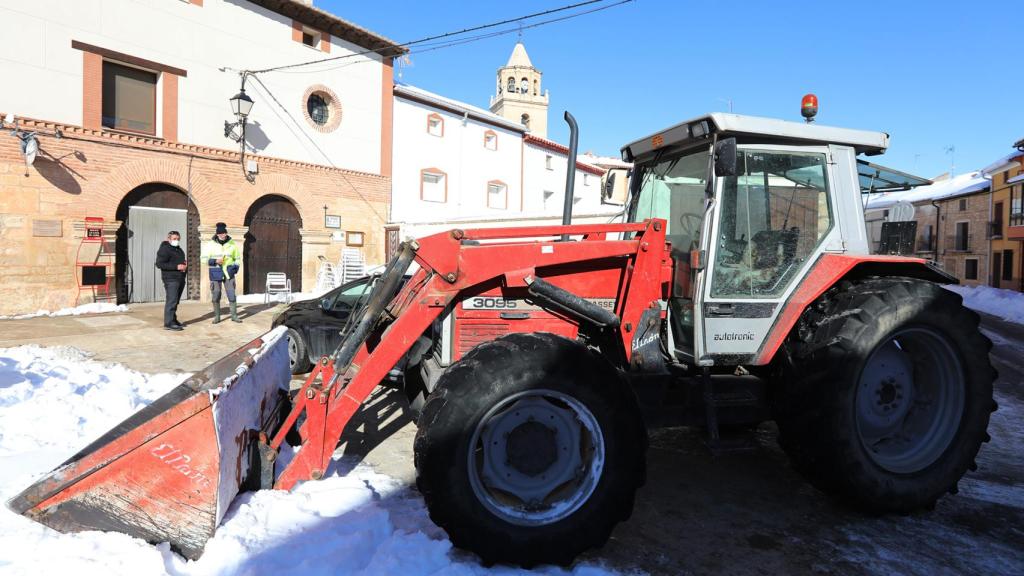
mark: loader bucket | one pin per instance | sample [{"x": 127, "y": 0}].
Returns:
[{"x": 169, "y": 472}]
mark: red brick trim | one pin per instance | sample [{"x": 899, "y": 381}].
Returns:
[
  {"x": 387, "y": 116},
  {"x": 92, "y": 91},
  {"x": 563, "y": 150},
  {"x": 333, "y": 105},
  {"x": 297, "y": 31},
  {"x": 142, "y": 142},
  {"x": 325, "y": 42},
  {"x": 170, "y": 107},
  {"x": 434, "y": 171},
  {"x": 491, "y": 133},
  {"x": 488, "y": 192},
  {"x": 127, "y": 58},
  {"x": 432, "y": 116},
  {"x": 197, "y": 2}
]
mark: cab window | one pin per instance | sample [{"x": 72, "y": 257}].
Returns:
[
  {"x": 774, "y": 214},
  {"x": 346, "y": 296}
]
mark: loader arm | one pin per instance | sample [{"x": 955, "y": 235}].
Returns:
[{"x": 454, "y": 264}]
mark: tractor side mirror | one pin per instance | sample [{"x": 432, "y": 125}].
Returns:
[{"x": 725, "y": 157}]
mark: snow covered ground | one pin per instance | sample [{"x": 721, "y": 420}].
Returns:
[
  {"x": 92, "y": 308},
  {"x": 53, "y": 401},
  {"x": 1005, "y": 304}
]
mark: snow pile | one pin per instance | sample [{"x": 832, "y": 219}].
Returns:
[
  {"x": 1005, "y": 304},
  {"x": 54, "y": 401},
  {"x": 92, "y": 308}
]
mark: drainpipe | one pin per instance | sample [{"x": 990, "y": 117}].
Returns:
[{"x": 938, "y": 211}]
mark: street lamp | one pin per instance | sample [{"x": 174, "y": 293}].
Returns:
[{"x": 241, "y": 105}]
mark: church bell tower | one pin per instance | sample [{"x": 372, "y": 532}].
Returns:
[{"x": 520, "y": 97}]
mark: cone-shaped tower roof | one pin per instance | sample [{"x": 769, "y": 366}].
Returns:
[{"x": 519, "y": 57}]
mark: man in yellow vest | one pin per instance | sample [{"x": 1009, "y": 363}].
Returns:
[{"x": 222, "y": 256}]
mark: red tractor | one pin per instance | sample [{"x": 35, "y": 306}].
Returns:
[{"x": 740, "y": 290}]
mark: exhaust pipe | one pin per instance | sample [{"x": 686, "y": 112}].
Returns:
[{"x": 570, "y": 172}]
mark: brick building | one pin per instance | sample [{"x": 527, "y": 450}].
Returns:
[{"x": 130, "y": 124}]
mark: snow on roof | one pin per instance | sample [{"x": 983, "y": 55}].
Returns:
[
  {"x": 604, "y": 161},
  {"x": 963, "y": 184},
  {"x": 430, "y": 98},
  {"x": 1002, "y": 165}
]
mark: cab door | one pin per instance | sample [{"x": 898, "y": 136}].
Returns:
[{"x": 770, "y": 221}]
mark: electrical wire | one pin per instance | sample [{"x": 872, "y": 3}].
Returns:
[
  {"x": 318, "y": 149},
  {"x": 449, "y": 34}
]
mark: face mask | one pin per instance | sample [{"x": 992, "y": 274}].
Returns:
[{"x": 175, "y": 242}]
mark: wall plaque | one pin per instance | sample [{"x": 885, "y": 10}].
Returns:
[{"x": 50, "y": 228}]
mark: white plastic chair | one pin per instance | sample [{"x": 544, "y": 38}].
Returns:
[{"x": 278, "y": 283}]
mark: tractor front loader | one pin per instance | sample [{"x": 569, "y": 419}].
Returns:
[{"x": 741, "y": 290}]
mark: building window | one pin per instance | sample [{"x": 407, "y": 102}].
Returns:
[
  {"x": 511, "y": 85},
  {"x": 525, "y": 120},
  {"x": 535, "y": 87},
  {"x": 586, "y": 179},
  {"x": 1007, "y": 264},
  {"x": 317, "y": 108},
  {"x": 311, "y": 38},
  {"x": 963, "y": 204},
  {"x": 129, "y": 98},
  {"x": 971, "y": 269},
  {"x": 435, "y": 125},
  {"x": 497, "y": 195},
  {"x": 548, "y": 163},
  {"x": 962, "y": 240},
  {"x": 433, "y": 185},
  {"x": 524, "y": 86},
  {"x": 490, "y": 140},
  {"x": 927, "y": 240},
  {"x": 1016, "y": 213},
  {"x": 997, "y": 220},
  {"x": 321, "y": 108}
]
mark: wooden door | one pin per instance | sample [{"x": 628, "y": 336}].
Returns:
[{"x": 273, "y": 243}]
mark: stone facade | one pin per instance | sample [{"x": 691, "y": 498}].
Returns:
[
  {"x": 954, "y": 233},
  {"x": 89, "y": 172},
  {"x": 519, "y": 95}
]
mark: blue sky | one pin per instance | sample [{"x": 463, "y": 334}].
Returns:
[{"x": 931, "y": 74}]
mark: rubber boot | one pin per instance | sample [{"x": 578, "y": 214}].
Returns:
[
  {"x": 216, "y": 312},
  {"x": 234, "y": 312}
]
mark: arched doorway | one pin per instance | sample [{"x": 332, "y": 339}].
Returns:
[
  {"x": 273, "y": 243},
  {"x": 144, "y": 213}
]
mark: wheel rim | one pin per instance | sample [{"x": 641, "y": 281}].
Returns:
[
  {"x": 910, "y": 400},
  {"x": 293, "y": 351},
  {"x": 536, "y": 457}
]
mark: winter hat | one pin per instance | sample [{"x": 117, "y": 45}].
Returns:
[{"x": 222, "y": 228}]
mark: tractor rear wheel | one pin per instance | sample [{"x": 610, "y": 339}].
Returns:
[
  {"x": 887, "y": 396},
  {"x": 530, "y": 450}
]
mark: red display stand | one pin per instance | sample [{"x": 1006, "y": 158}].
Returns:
[{"x": 94, "y": 263}]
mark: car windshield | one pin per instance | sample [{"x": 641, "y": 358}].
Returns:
[
  {"x": 344, "y": 297},
  {"x": 673, "y": 188}
]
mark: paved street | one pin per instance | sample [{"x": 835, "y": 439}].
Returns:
[{"x": 741, "y": 514}]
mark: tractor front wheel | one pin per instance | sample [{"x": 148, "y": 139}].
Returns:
[
  {"x": 888, "y": 393},
  {"x": 530, "y": 450}
]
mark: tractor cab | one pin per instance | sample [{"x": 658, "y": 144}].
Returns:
[{"x": 751, "y": 203}]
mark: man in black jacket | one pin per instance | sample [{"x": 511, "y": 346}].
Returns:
[{"x": 170, "y": 259}]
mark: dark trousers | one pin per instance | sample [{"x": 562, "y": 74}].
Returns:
[{"x": 173, "y": 288}]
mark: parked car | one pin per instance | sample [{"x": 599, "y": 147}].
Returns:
[{"x": 314, "y": 326}]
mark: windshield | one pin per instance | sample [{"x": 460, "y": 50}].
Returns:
[
  {"x": 673, "y": 188},
  {"x": 773, "y": 216}
]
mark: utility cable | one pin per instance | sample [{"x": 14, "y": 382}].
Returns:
[{"x": 445, "y": 35}]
